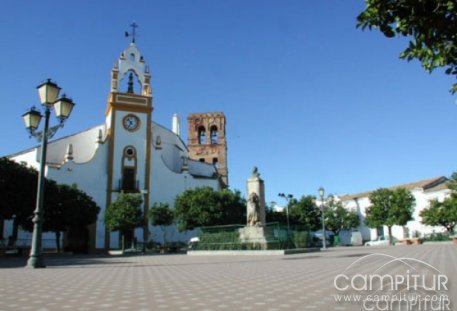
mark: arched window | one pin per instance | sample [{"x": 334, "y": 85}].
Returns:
[
  {"x": 128, "y": 182},
  {"x": 201, "y": 135},
  {"x": 214, "y": 135}
]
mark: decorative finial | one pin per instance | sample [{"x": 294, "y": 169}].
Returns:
[
  {"x": 69, "y": 154},
  {"x": 133, "y": 33},
  {"x": 100, "y": 137}
]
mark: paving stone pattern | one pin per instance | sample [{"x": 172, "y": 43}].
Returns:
[{"x": 180, "y": 282}]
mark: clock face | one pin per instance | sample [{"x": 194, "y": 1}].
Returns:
[{"x": 131, "y": 122}]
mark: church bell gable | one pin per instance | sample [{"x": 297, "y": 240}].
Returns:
[{"x": 131, "y": 62}]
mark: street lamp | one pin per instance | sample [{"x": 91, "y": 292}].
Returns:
[
  {"x": 48, "y": 92},
  {"x": 288, "y": 197},
  {"x": 324, "y": 238}
]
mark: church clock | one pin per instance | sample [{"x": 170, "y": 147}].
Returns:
[{"x": 131, "y": 122}]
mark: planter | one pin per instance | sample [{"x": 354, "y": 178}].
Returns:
[
  {"x": 116, "y": 252},
  {"x": 407, "y": 242},
  {"x": 418, "y": 241}
]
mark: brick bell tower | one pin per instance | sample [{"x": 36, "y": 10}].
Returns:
[{"x": 207, "y": 141}]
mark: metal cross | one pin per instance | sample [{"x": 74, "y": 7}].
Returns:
[{"x": 133, "y": 33}]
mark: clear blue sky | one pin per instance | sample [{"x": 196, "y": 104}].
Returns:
[{"x": 309, "y": 99}]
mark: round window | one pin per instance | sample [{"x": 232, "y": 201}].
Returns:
[{"x": 129, "y": 152}]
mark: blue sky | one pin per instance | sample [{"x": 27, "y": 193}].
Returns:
[{"x": 309, "y": 99}]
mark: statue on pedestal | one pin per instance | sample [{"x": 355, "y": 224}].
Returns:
[
  {"x": 254, "y": 232},
  {"x": 256, "y": 199},
  {"x": 253, "y": 209}
]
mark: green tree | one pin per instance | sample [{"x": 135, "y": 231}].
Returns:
[
  {"x": 124, "y": 215},
  {"x": 443, "y": 213},
  {"x": 275, "y": 216},
  {"x": 206, "y": 207},
  {"x": 161, "y": 215},
  {"x": 338, "y": 218},
  {"x": 431, "y": 26},
  {"x": 233, "y": 206},
  {"x": 389, "y": 208},
  {"x": 76, "y": 210},
  {"x": 66, "y": 208},
  {"x": 305, "y": 212},
  {"x": 18, "y": 185}
]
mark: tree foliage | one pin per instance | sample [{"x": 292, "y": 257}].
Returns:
[
  {"x": 389, "y": 208},
  {"x": 65, "y": 207},
  {"x": 305, "y": 212},
  {"x": 275, "y": 216},
  {"x": 18, "y": 184},
  {"x": 161, "y": 215},
  {"x": 443, "y": 213},
  {"x": 431, "y": 26},
  {"x": 124, "y": 214},
  {"x": 338, "y": 218},
  {"x": 79, "y": 209},
  {"x": 206, "y": 207}
]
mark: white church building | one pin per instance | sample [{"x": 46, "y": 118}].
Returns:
[{"x": 129, "y": 153}]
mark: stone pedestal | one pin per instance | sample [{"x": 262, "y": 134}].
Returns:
[{"x": 253, "y": 235}]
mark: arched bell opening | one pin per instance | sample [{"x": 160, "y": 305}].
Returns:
[
  {"x": 201, "y": 135},
  {"x": 130, "y": 83}
]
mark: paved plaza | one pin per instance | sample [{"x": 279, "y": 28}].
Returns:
[{"x": 180, "y": 282}]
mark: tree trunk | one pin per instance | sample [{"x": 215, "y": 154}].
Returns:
[
  {"x": 389, "y": 230},
  {"x": 123, "y": 241},
  {"x": 58, "y": 241},
  {"x": 15, "y": 230},
  {"x": 164, "y": 233},
  {"x": 2, "y": 224}
]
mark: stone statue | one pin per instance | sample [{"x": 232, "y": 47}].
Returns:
[
  {"x": 255, "y": 172},
  {"x": 253, "y": 210}
]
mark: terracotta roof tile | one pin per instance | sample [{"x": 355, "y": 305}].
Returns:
[{"x": 436, "y": 183}]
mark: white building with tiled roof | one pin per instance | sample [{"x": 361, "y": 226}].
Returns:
[
  {"x": 128, "y": 153},
  {"x": 423, "y": 191}
]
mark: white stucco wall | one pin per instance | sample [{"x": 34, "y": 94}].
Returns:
[
  {"x": 89, "y": 177},
  {"x": 168, "y": 179},
  {"x": 88, "y": 170},
  {"x": 423, "y": 199}
]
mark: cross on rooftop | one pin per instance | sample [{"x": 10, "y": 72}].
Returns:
[{"x": 133, "y": 33}]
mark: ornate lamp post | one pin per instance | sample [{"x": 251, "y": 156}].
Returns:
[
  {"x": 288, "y": 197},
  {"x": 48, "y": 92},
  {"x": 324, "y": 237}
]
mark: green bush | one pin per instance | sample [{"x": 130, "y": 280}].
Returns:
[
  {"x": 224, "y": 240},
  {"x": 438, "y": 237},
  {"x": 301, "y": 239},
  {"x": 228, "y": 238}
]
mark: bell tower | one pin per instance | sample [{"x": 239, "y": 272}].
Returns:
[
  {"x": 129, "y": 129},
  {"x": 207, "y": 141}
]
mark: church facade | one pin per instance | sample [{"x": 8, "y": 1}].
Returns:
[{"x": 132, "y": 153}]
